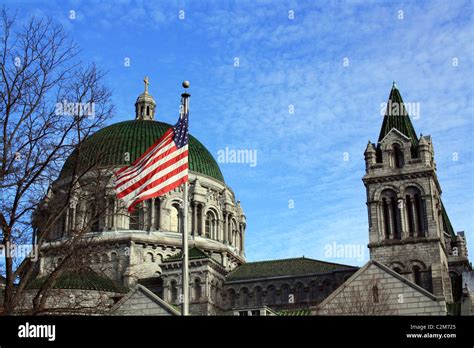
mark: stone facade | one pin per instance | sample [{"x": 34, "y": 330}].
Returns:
[
  {"x": 141, "y": 301},
  {"x": 377, "y": 290},
  {"x": 290, "y": 292}
]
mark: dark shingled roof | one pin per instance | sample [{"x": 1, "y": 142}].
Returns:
[
  {"x": 81, "y": 280},
  {"x": 400, "y": 121},
  {"x": 194, "y": 253},
  {"x": 284, "y": 267},
  {"x": 107, "y": 147}
]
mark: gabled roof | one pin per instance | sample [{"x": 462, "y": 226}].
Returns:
[
  {"x": 384, "y": 268},
  {"x": 284, "y": 267},
  {"x": 194, "y": 253},
  {"x": 144, "y": 291},
  {"x": 399, "y": 120}
]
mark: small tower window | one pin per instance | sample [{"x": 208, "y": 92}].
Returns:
[
  {"x": 417, "y": 275},
  {"x": 375, "y": 294},
  {"x": 398, "y": 159},
  {"x": 148, "y": 110}
]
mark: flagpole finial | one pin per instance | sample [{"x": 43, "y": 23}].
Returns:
[{"x": 185, "y": 84}]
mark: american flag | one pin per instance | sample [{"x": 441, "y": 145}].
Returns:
[{"x": 163, "y": 167}]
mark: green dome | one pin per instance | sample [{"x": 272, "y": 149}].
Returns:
[{"x": 108, "y": 147}]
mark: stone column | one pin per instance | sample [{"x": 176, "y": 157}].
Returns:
[
  {"x": 225, "y": 229},
  {"x": 414, "y": 216},
  {"x": 390, "y": 219},
  {"x": 195, "y": 230},
  {"x": 203, "y": 222},
  {"x": 161, "y": 222},
  {"x": 152, "y": 215}
]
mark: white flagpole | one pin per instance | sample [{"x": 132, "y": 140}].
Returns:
[{"x": 185, "y": 251}]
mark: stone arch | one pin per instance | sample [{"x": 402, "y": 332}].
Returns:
[
  {"x": 403, "y": 187},
  {"x": 390, "y": 214},
  {"x": 211, "y": 229},
  {"x": 415, "y": 262},
  {"x": 149, "y": 257},
  {"x": 378, "y": 192},
  {"x": 213, "y": 207},
  {"x": 415, "y": 211},
  {"x": 397, "y": 265}
]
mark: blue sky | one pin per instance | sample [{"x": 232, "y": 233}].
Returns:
[{"x": 296, "y": 62}]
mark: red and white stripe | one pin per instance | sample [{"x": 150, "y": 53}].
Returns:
[{"x": 160, "y": 169}]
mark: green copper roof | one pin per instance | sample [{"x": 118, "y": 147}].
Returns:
[
  {"x": 110, "y": 146},
  {"x": 83, "y": 280},
  {"x": 396, "y": 116},
  {"x": 194, "y": 253},
  {"x": 294, "y": 312},
  {"x": 284, "y": 267}
]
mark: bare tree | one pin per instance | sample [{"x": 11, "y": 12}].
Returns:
[
  {"x": 50, "y": 103},
  {"x": 370, "y": 298}
]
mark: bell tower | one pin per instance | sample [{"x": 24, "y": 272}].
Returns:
[
  {"x": 406, "y": 228},
  {"x": 145, "y": 104}
]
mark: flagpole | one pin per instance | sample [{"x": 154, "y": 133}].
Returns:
[{"x": 185, "y": 251}]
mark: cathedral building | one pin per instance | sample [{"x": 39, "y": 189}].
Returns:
[{"x": 133, "y": 261}]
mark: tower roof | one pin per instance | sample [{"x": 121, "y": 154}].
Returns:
[{"x": 396, "y": 116}]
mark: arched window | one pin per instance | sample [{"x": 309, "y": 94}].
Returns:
[
  {"x": 258, "y": 296},
  {"x": 174, "y": 291},
  {"x": 197, "y": 289},
  {"x": 398, "y": 159},
  {"x": 244, "y": 297},
  {"x": 148, "y": 110},
  {"x": 210, "y": 221},
  {"x": 415, "y": 212},
  {"x": 175, "y": 221},
  {"x": 375, "y": 294},
  {"x": 300, "y": 294},
  {"x": 231, "y": 295},
  {"x": 313, "y": 291},
  {"x": 391, "y": 215},
  {"x": 327, "y": 287},
  {"x": 149, "y": 257},
  {"x": 417, "y": 275},
  {"x": 113, "y": 256},
  {"x": 271, "y": 295},
  {"x": 285, "y": 294}
]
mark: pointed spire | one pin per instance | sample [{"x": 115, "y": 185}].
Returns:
[{"x": 396, "y": 116}]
